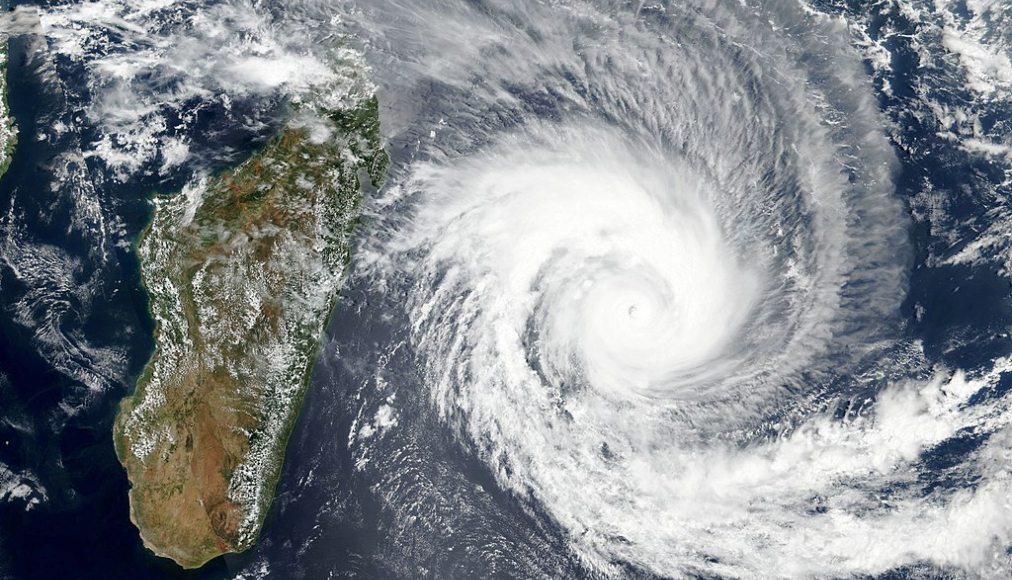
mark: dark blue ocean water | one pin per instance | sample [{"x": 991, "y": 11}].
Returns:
[{"x": 326, "y": 518}]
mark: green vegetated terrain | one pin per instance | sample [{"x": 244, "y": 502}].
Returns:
[{"x": 8, "y": 129}]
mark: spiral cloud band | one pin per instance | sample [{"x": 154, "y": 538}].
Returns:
[{"x": 656, "y": 267}]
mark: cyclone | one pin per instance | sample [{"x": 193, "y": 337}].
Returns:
[
  {"x": 651, "y": 289},
  {"x": 654, "y": 268}
]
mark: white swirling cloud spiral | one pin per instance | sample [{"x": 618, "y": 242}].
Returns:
[{"x": 647, "y": 261}]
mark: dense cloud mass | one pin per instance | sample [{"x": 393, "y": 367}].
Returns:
[{"x": 650, "y": 256}]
